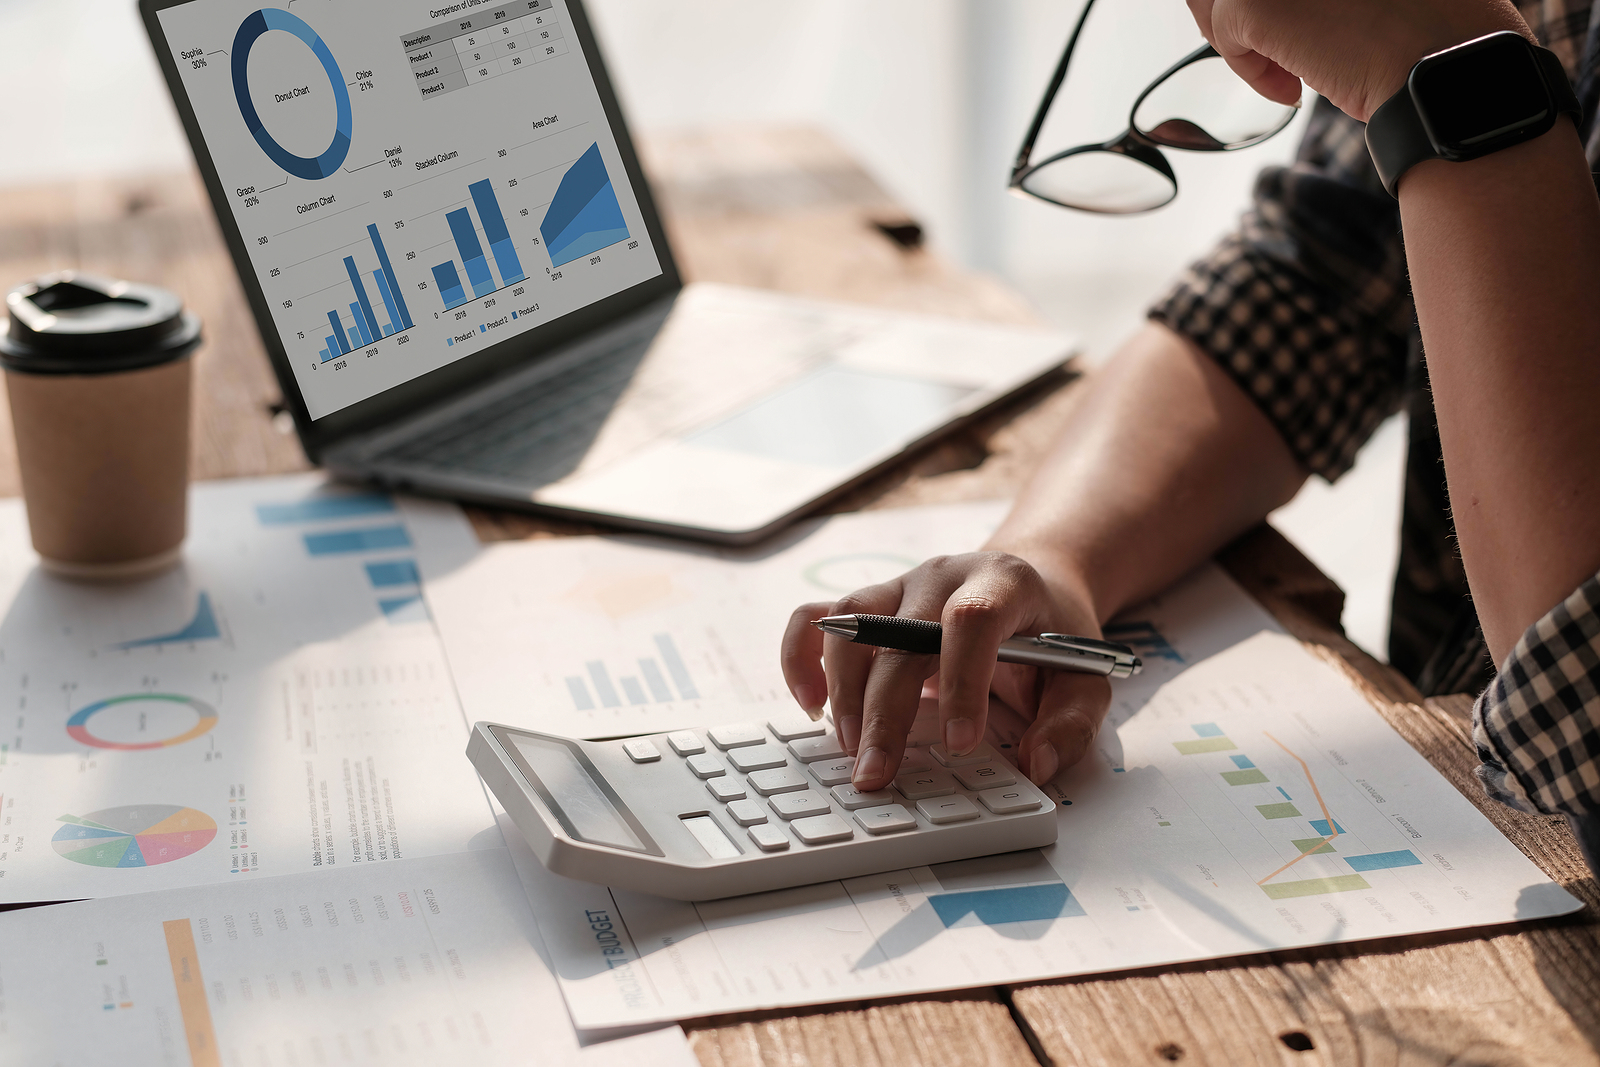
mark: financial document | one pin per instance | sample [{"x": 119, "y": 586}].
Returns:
[
  {"x": 432, "y": 961},
  {"x": 278, "y": 703},
  {"x": 1242, "y": 798},
  {"x": 607, "y": 636}
]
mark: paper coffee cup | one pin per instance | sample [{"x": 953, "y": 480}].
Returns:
[{"x": 98, "y": 373}]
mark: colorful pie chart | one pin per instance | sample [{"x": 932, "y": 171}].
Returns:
[{"x": 139, "y": 836}]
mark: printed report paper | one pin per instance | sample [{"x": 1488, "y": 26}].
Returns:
[
  {"x": 280, "y": 702},
  {"x": 432, "y": 961},
  {"x": 1244, "y": 798}
]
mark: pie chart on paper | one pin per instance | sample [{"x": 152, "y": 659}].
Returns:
[{"x": 138, "y": 836}]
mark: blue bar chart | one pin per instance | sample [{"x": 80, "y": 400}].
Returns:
[
  {"x": 365, "y": 328},
  {"x": 584, "y": 215},
  {"x": 480, "y": 278}
]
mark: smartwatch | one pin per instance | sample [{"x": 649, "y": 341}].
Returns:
[{"x": 1467, "y": 101}]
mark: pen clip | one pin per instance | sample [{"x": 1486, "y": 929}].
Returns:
[{"x": 1124, "y": 663}]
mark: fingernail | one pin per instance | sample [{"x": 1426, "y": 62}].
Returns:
[
  {"x": 806, "y": 697},
  {"x": 869, "y": 767},
  {"x": 1043, "y": 765},
  {"x": 849, "y": 730},
  {"x": 960, "y": 736}
]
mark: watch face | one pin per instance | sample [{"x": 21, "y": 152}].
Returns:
[{"x": 1469, "y": 96}]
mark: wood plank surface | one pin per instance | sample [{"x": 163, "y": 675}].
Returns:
[{"x": 788, "y": 210}]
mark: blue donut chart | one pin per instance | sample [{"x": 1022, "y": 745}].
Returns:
[{"x": 251, "y": 29}]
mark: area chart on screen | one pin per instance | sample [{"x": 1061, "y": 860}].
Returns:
[{"x": 584, "y": 217}]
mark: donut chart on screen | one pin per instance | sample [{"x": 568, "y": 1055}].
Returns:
[
  {"x": 308, "y": 167},
  {"x": 78, "y": 727},
  {"x": 141, "y": 835}
]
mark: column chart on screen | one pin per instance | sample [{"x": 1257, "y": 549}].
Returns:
[{"x": 413, "y": 181}]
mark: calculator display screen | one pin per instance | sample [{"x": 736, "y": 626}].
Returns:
[{"x": 574, "y": 796}]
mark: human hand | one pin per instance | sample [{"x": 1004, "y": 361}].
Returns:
[
  {"x": 1357, "y": 53},
  {"x": 981, "y": 599}
]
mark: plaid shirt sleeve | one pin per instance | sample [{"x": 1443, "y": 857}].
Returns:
[
  {"x": 1537, "y": 726},
  {"x": 1306, "y": 305}
]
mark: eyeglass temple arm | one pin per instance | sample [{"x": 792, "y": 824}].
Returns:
[{"x": 1056, "y": 79}]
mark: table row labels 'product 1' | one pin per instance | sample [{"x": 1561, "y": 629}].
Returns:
[{"x": 459, "y": 52}]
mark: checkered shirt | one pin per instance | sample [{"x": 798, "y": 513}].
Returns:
[{"x": 1308, "y": 307}]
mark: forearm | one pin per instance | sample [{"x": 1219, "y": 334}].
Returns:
[
  {"x": 1164, "y": 460},
  {"x": 1504, "y": 254}
]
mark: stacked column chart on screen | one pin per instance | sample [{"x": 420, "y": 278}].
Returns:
[{"x": 411, "y": 183}]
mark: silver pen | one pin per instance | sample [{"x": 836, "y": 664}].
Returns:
[{"x": 1060, "y": 651}]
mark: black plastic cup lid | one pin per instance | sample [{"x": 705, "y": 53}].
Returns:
[{"x": 72, "y": 323}]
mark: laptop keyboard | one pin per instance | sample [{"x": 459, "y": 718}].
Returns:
[{"x": 536, "y": 434}]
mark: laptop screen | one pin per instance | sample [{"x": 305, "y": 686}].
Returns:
[{"x": 413, "y": 181}]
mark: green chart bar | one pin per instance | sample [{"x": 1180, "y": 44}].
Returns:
[{"x": 1310, "y": 887}]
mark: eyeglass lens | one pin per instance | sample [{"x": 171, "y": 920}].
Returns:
[{"x": 1206, "y": 107}]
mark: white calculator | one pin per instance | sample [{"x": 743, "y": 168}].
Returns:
[{"x": 744, "y": 808}]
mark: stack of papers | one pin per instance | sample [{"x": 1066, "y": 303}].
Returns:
[{"x": 253, "y": 769}]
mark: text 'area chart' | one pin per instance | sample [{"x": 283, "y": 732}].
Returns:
[{"x": 408, "y": 196}]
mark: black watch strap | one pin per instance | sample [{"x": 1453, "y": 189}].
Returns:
[{"x": 1397, "y": 140}]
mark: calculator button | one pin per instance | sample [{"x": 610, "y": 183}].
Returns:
[
  {"x": 1004, "y": 801},
  {"x": 736, "y": 734},
  {"x": 758, "y": 757},
  {"x": 891, "y": 818},
  {"x": 915, "y": 759},
  {"x": 726, "y": 789},
  {"x": 982, "y": 754},
  {"x": 811, "y": 749},
  {"x": 641, "y": 751},
  {"x": 820, "y": 829},
  {"x": 706, "y": 766},
  {"x": 768, "y": 838},
  {"x": 781, "y": 780},
  {"x": 986, "y": 775},
  {"x": 747, "y": 812},
  {"x": 686, "y": 742},
  {"x": 787, "y": 729},
  {"x": 941, "y": 810},
  {"x": 834, "y": 771},
  {"x": 926, "y": 784},
  {"x": 799, "y": 805},
  {"x": 850, "y": 798}
]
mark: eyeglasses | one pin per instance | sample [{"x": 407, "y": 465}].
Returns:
[{"x": 1198, "y": 104}]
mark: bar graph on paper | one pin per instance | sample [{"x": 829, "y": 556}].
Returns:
[{"x": 659, "y": 679}]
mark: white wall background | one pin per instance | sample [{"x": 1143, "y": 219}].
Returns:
[{"x": 932, "y": 95}]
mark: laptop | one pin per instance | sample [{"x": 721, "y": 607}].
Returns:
[{"x": 461, "y": 278}]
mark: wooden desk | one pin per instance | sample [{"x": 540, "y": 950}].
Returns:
[{"x": 786, "y": 209}]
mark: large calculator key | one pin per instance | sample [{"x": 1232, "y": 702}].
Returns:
[
  {"x": 820, "y": 829},
  {"x": 778, "y": 780},
  {"x": 834, "y": 771},
  {"x": 747, "y": 812},
  {"x": 812, "y": 749},
  {"x": 640, "y": 750},
  {"x": 982, "y": 754},
  {"x": 791, "y": 727},
  {"x": 759, "y": 757},
  {"x": 726, "y": 789},
  {"x": 686, "y": 743},
  {"x": 941, "y": 810},
  {"x": 986, "y": 775},
  {"x": 706, "y": 766},
  {"x": 889, "y": 819},
  {"x": 850, "y": 798},
  {"x": 769, "y": 838},
  {"x": 926, "y": 784},
  {"x": 915, "y": 759},
  {"x": 736, "y": 735},
  {"x": 1004, "y": 801},
  {"x": 799, "y": 805}
]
